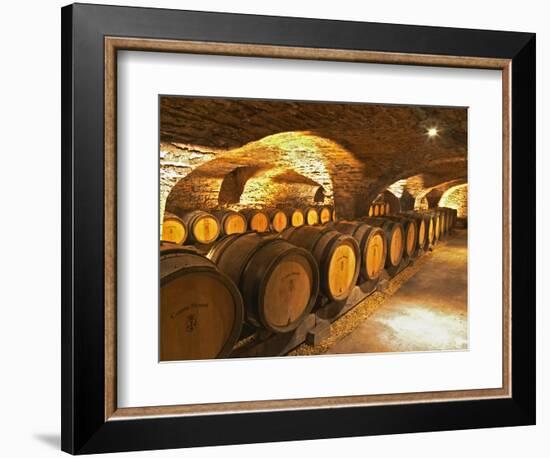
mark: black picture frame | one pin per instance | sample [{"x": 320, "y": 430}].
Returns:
[{"x": 84, "y": 427}]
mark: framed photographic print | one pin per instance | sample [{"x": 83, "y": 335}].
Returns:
[{"x": 282, "y": 228}]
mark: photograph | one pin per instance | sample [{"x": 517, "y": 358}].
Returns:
[{"x": 307, "y": 227}]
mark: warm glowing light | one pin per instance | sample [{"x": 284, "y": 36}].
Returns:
[
  {"x": 420, "y": 326},
  {"x": 432, "y": 132},
  {"x": 456, "y": 197}
]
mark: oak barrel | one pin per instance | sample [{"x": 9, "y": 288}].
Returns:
[
  {"x": 295, "y": 216},
  {"x": 395, "y": 236},
  {"x": 425, "y": 228},
  {"x": 454, "y": 216},
  {"x": 371, "y": 211},
  {"x": 431, "y": 220},
  {"x": 435, "y": 223},
  {"x": 337, "y": 254},
  {"x": 201, "y": 309},
  {"x": 372, "y": 245},
  {"x": 387, "y": 208},
  {"x": 203, "y": 227},
  {"x": 231, "y": 221},
  {"x": 325, "y": 214},
  {"x": 410, "y": 226},
  {"x": 448, "y": 217},
  {"x": 279, "y": 282},
  {"x": 173, "y": 229},
  {"x": 443, "y": 221},
  {"x": 382, "y": 210},
  {"x": 450, "y": 214},
  {"x": 258, "y": 220},
  {"x": 454, "y": 212},
  {"x": 277, "y": 219},
  {"x": 376, "y": 210},
  {"x": 311, "y": 215}
]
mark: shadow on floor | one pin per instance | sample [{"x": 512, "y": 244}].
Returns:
[{"x": 52, "y": 440}]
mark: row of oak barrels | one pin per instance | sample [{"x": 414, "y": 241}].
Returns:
[
  {"x": 198, "y": 226},
  {"x": 379, "y": 209},
  {"x": 273, "y": 281}
]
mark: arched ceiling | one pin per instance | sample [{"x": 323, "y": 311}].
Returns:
[
  {"x": 358, "y": 149},
  {"x": 364, "y": 129}
]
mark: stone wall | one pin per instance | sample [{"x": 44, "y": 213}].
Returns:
[
  {"x": 456, "y": 197},
  {"x": 291, "y": 168}
]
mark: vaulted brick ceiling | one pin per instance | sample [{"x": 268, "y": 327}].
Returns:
[{"x": 363, "y": 148}]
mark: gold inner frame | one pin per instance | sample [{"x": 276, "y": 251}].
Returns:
[{"x": 114, "y": 44}]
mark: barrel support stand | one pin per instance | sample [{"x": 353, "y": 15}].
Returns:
[
  {"x": 393, "y": 271},
  {"x": 314, "y": 328},
  {"x": 328, "y": 312}
]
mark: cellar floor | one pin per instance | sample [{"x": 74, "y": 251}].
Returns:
[{"x": 428, "y": 312}]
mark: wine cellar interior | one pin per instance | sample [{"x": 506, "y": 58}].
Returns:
[{"x": 308, "y": 228}]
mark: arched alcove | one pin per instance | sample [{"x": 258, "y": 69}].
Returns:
[
  {"x": 456, "y": 197},
  {"x": 233, "y": 184}
]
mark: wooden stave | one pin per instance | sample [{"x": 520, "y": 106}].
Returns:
[
  {"x": 171, "y": 217},
  {"x": 389, "y": 228},
  {"x": 312, "y": 238},
  {"x": 222, "y": 216},
  {"x": 190, "y": 218},
  {"x": 245, "y": 274},
  {"x": 363, "y": 234},
  {"x": 200, "y": 264}
]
